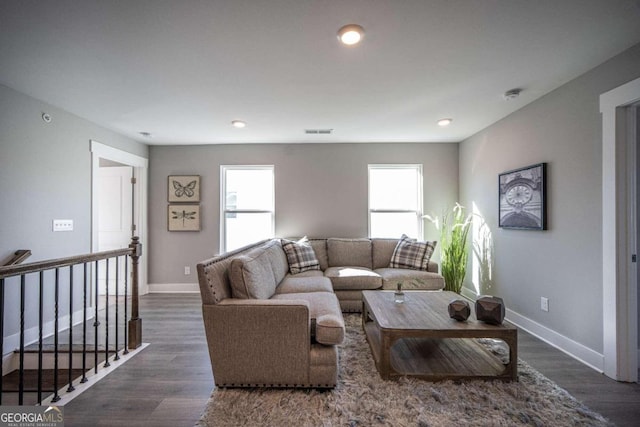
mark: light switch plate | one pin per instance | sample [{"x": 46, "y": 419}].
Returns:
[
  {"x": 62, "y": 225},
  {"x": 544, "y": 304}
]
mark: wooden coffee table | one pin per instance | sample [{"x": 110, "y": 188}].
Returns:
[{"x": 418, "y": 338}]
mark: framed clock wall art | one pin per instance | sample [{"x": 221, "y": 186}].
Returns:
[{"x": 522, "y": 198}]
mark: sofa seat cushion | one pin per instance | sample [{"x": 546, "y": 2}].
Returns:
[
  {"x": 327, "y": 324},
  {"x": 410, "y": 279},
  {"x": 353, "y": 278},
  {"x": 294, "y": 284}
]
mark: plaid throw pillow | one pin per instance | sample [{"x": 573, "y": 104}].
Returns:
[
  {"x": 300, "y": 255},
  {"x": 409, "y": 253}
]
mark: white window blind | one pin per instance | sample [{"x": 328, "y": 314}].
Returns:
[
  {"x": 247, "y": 205},
  {"x": 395, "y": 201}
]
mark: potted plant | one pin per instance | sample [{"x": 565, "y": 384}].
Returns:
[{"x": 454, "y": 229}]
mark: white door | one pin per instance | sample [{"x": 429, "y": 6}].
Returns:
[{"x": 115, "y": 220}]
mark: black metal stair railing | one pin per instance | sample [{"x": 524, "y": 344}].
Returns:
[{"x": 67, "y": 275}]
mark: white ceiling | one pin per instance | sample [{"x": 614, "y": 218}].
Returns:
[{"x": 183, "y": 70}]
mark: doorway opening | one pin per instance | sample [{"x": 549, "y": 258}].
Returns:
[
  {"x": 620, "y": 231},
  {"x": 634, "y": 137},
  {"x": 115, "y": 218},
  {"x": 119, "y": 206}
]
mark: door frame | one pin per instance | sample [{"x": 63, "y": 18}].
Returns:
[
  {"x": 140, "y": 172},
  {"x": 619, "y": 278}
]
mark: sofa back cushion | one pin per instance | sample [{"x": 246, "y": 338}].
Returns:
[
  {"x": 213, "y": 274},
  {"x": 278, "y": 259},
  {"x": 256, "y": 274},
  {"x": 320, "y": 248},
  {"x": 349, "y": 252},
  {"x": 382, "y": 250}
]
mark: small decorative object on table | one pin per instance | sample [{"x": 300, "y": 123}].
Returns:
[
  {"x": 398, "y": 296},
  {"x": 459, "y": 310},
  {"x": 490, "y": 309}
]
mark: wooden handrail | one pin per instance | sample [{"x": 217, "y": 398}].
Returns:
[
  {"x": 18, "y": 257},
  {"x": 63, "y": 281},
  {"x": 35, "y": 267},
  {"x": 134, "y": 251}
]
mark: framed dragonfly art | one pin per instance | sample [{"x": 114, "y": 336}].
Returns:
[{"x": 184, "y": 217}]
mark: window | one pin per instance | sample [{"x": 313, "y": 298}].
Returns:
[
  {"x": 247, "y": 204},
  {"x": 395, "y": 201}
]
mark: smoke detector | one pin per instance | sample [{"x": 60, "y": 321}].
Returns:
[
  {"x": 318, "y": 131},
  {"x": 511, "y": 94}
]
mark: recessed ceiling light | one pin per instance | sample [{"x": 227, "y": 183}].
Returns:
[
  {"x": 444, "y": 122},
  {"x": 350, "y": 34},
  {"x": 238, "y": 124},
  {"x": 145, "y": 134}
]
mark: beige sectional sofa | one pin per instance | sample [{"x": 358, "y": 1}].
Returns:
[
  {"x": 354, "y": 265},
  {"x": 268, "y": 327}
]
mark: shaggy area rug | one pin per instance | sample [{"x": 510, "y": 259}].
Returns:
[{"x": 362, "y": 398}]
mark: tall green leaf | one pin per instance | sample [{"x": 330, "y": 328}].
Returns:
[{"x": 454, "y": 231}]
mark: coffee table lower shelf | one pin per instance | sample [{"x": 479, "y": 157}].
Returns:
[{"x": 436, "y": 359}]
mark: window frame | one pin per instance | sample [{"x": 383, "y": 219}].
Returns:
[
  {"x": 419, "y": 212},
  {"x": 223, "y": 200}
]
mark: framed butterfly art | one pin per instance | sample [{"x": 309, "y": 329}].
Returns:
[{"x": 184, "y": 188}]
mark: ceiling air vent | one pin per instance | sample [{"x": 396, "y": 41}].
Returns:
[{"x": 318, "y": 131}]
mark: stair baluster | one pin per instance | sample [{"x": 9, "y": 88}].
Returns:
[
  {"x": 70, "y": 352},
  {"x": 56, "y": 296},
  {"x": 106, "y": 317},
  {"x": 24, "y": 379}
]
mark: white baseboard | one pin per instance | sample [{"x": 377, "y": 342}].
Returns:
[
  {"x": 173, "y": 288},
  {"x": 578, "y": 351}
]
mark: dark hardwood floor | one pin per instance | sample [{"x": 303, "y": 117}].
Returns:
[{"x": 169, "y": 382}]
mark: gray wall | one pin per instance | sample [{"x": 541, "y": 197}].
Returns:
[
  {"x": 321, "y": 191},
  {"x": 564, "y": 263},
  {"x": 45, "y": 174}
]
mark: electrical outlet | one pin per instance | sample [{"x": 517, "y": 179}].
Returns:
[
  {"x": 62, "y": 225},
  {"x": 544, "y": 304},
  {"x": 187, "y": 270}
]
